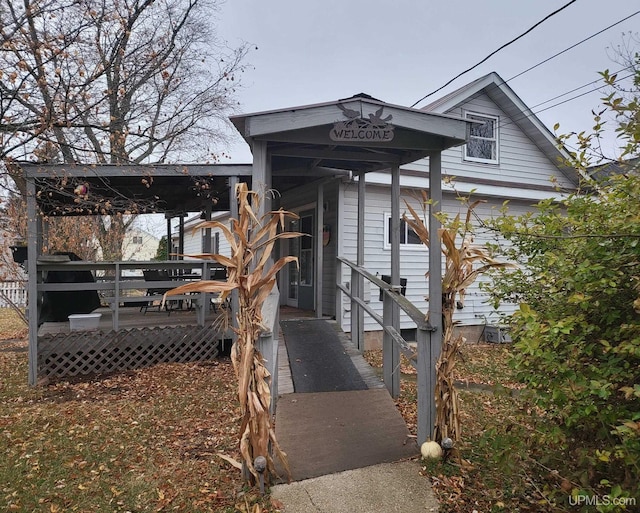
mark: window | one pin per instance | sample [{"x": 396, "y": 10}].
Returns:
[
  {"x": 137, "y": 239},
  {"x": 482, "y": 145},
  {"x": 215, "y": 241},
  {"x": 407, "y": 235}
]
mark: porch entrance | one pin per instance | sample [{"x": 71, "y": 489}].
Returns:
[{"x": 301, "y": 289}]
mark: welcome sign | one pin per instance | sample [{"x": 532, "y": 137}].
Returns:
[{"x": 360, "y": 129}]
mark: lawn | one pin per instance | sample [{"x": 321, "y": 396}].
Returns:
[
  {"x": 150, "y": 440},
  {"x": 145, "y": 440},
  {"x": 496, "y": 468}
]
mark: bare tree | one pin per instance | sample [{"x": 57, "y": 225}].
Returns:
[{"x": 119, "y": 81}]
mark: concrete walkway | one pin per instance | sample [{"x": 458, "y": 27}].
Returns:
[{"x": 384, "y": 488}]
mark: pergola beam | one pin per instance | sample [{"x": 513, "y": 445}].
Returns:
[{"x": 139, "y": 170}]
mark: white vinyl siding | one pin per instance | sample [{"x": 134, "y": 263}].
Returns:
[
  {"x": 413, "y": 264},
  {"x": 521, "y": 161}
]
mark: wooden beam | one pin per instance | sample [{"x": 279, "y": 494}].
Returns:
[
  {"x": 261, "y": 176},
  {"x": 429, "y": 348},
  {"x": 319, "y": 249},
  {"x": 357, "y": 281},
  {"x": 391, "y": 352},
  {"x": 104, "y": 170},
  {"x": 328, "y": 153},
  {"x": 32, "y": 271},
  {"x": 233, "y": 213}
]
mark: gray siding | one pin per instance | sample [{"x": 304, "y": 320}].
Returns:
[
  {"x": 414, "y": 260},
  {"x": 520, "y": 161}
]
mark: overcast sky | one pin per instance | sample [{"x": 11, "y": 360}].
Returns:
[{"x": 311, "y": 51}]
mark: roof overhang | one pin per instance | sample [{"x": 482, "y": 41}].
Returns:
[
  {"x": 348, "y": 135},
  {"x": 304, "y": 144}
]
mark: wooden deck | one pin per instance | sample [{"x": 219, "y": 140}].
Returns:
[{"x": 133, "y": 317}]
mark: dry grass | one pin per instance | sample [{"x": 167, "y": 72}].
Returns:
[
  {"x": 146, "y": 440},
  {"x": 11, "y": 326},
  {"x": 497, "y": 469}
]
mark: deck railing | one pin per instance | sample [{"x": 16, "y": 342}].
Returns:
[{"x": 121, "y": 283}]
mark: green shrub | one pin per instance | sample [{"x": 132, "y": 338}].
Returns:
[{"x": 577, "y": 331}]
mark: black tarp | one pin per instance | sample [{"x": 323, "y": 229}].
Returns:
[{"x": 57, "y": 306}]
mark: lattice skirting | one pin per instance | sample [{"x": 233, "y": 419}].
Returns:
[{"x": 96, "y": 352}]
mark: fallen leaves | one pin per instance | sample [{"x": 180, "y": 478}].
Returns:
[{"x": 144, "y": 440}]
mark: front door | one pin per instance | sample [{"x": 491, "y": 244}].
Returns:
[{"x": 301, "y": 287}]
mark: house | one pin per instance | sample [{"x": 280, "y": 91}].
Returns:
[
  {"x": 139, "y": 244},
  {"x": 200, "y": 240},
  {"x": 345, "y": 167},
  {"x": 510, "y": 156}
]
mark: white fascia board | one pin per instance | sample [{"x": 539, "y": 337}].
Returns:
[{"x": 506, "y": 192}]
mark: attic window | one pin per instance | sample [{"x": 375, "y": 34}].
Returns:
[{"x": 482, "y": 145}]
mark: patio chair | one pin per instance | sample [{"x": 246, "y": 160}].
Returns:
[
  {"x": 152, "y": 275},
  {"x": 219, "y": 274}
]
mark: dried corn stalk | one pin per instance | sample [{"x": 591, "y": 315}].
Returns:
[
  {"x": 249, "y": 271},
  {"x": 461, "y": 270}
]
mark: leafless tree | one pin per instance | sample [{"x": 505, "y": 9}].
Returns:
[{"x": 113, "y": 81}]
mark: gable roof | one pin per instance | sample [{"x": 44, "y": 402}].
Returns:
[
  {"x": 504, "y": 97},
  {"x": 322, "y": 135}
]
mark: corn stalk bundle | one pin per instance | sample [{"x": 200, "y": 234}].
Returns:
[
  {"x": 461, "y": 270},
  {"x": 251, "y": 272}
]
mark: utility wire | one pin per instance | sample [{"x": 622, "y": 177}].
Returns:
[
  {"x": 495, "y": 51},
  {"x": 534, "y": 112},
  {"x": 572, "y": 46}
]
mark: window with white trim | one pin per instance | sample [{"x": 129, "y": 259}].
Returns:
[
  {"x": 408, "y": 237},
  {"x": 482, "y": 145}
]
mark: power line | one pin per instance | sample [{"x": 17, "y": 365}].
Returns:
[
  {"x": 495, "y": 51},
  {"x": 534, "y": 112},
  {"x": 572, "y": 46}
]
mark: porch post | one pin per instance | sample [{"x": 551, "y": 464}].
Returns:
[
  {"x": 319, "y": 249},
  {"x": 169, "y": 241},
  {"x": 357, "y": 280},
  {"x": 391, "y": 312},
  {"x": 261, "y": 176},
  {"x": 180, "y": 237},
  {"x": 233, "y": 212},
  {"x": 32, "y": 272},
  {"x": 206, "y": 246},
  {"x": 261, "y": 182},
  {"x": 429, "y": 351}
]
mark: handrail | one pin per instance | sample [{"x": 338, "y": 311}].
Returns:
[
  {"x": 268, "y": 341},
  {"x": 409, "y": 308}
]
